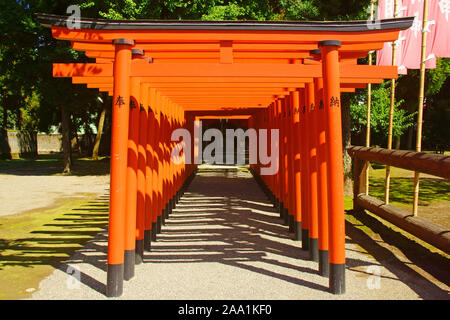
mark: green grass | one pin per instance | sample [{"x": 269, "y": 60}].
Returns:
[
  {"x": 35, "y": 243},
  {"x": 432, "y": 189},
  {"x": 52, "y": 164},
  {"x": 434, "y": 205}
]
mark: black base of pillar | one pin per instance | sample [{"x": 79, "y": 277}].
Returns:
[
  {"x": 281, "y": 210},
  {"x": 286, "y": 217},
  {"x": 323, "y": 263},
  {"x": 158, "y": 224},
  {"x": 153, "y": 231},
  {"x": 305, "y": 239},
  {"x": 291, "y": 224},
  {"x": 128, "y": 264},
  {"x": 162, "y": 218},
  {"x": 297, "y": 231},
  {"x": 168, "y": 209},
  {"x": 276, "y": 204},
  {"x": 173, "y": 203},
  {"x": 114, "y": 280},
  {"x": 314, "y": 249},
  {"x": 139, "y": 257},
  {"x": 147, "y": 240},
  {"x": 337, "y": 278}
]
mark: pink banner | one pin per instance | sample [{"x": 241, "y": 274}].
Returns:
[
  {"x": 384, "y": 56},
  {"x": 409, "y": 44},
  {"x": 412, "y": 46},
  {"x": 439, "y": 11}
]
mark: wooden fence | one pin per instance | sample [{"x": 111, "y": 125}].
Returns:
[{"x": 434, "y": 164}]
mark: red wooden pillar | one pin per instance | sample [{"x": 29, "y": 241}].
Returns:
[
  {"x": 257, "y": 125},
  {"x": 174, "y": 168},
  {"x": 312, "y": 174},
  {"x": 297, "y": 165},
  {"x": 251, "y": 126},
  {"x": 322, "y": 179},
  {"x": 290, "y": 149},
  {"x": 284, "y": 124},
  {"x": 163, "y": 165},
  {"x": 168, "y": 162},
  {"x": 262, "y": 125},
  {"x": 178, "y": 167},
  {"x": 150, "y": 202},
  {"x": 336, "y": 218},
  {"x": 182, "y": 124},
  {"x": 119, "y": 139},
  {"x": 280, "y": 158},
  {"x": 281, "y": 125},
  {"x": 141, "y": 175},
  {"x": 157, "y": 167},
  {"x": 271, "y": 178},
  {"x": 276, "y": 121},
  {"x": 304, "y": 171},
  {"x": 269, "y": 126},
  {"x": 130, "y": 211},
  {"x": 169, "y": 167}
]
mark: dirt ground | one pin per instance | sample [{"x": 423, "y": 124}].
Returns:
[
  {"x": 32, "y": 185},
  {"x": 45, "y": 217},
  {"x": 73, "y": 209},
  {"x": 225, "y": 241},
  {"x": 23, "y": 193}
]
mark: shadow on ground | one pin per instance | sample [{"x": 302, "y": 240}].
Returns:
[
  {"x": 387, "y": 246},
  {"x": 240, "y": 227},
  {"x": 25, "y": 259},
  {"x": 52, "y": 164}
]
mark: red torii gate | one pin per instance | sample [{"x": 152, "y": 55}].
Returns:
[{"x": 283, "y": 75}]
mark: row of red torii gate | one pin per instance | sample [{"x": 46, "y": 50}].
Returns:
[{"x": 164, "y": 75}]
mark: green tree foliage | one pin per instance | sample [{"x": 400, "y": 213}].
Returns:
[
  {"x": 436, "y": 128},
  {"x": 27, "y": 51},
  {"x": 379, "y": 120},
  {"x": 324, "y": 10},
  {"x": 436, "y": 85}
]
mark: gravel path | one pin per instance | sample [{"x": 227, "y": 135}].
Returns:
[
  {"x": 20, "y": 193},
  {"x": 225, "y": 241}
]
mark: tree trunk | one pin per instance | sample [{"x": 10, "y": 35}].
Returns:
[
  {"x": 19, "y": 119},
  {"x": 71, "y": 138},
  {"x": 76, "y": 138},
  {"x": 101, "y": 122},
  {"x": 410, "y": 144},
  {"x": 409, "y": 138},
  {"x": 346, "y": 142},
  {"x": 66, "y": 141},
  {"x": 5, "y": 112},
  {"x": 397, "y": 142},
  {"x": 87, "y": 138}
]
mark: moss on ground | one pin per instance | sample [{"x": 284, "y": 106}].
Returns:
[
  {"x": 434, "y": 196},
  {"x": 34, "y": 243}
]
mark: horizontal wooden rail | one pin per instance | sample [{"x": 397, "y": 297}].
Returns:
[
  {"x": 423, "y": 229},
  {"x": 434, "y": 164}
]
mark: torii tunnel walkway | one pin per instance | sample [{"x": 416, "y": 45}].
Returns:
[{"x": 164, "y": 75}]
